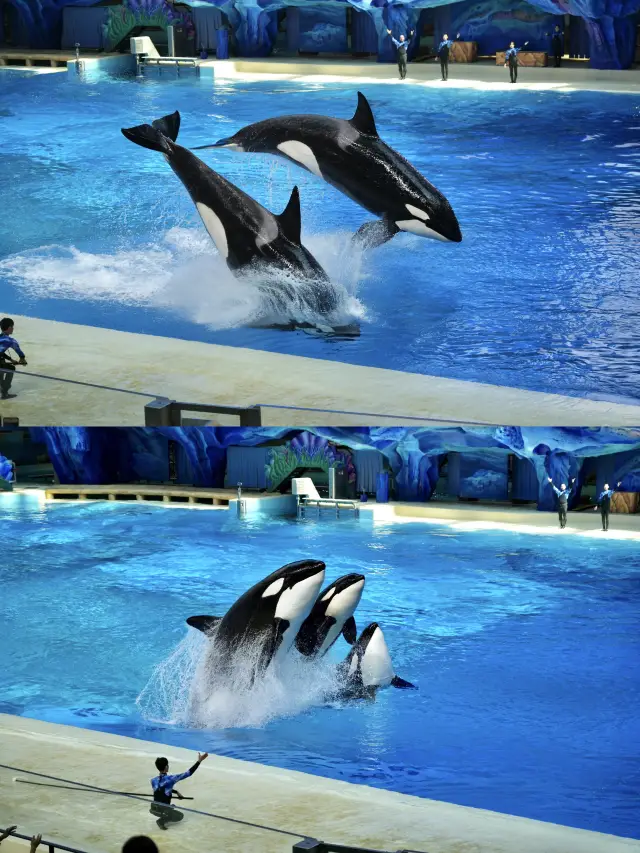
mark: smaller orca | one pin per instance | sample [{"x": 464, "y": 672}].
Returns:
[
  {"x": 331, "y": 616},
  {"x": 269, "y": 614},
  {"x": 349, "y": 155},
  {"x": 248, "y": 236},
  {"x": 368, "y": 668}
]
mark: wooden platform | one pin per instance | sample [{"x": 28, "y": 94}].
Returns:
[
  {"x": 27, "y": 58},
  {"x": 464, "y": 51},
  {"x": 213, "y": 498},
  {"x": 526, "y": 58}
]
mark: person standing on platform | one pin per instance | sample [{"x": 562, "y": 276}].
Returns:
[
  {"x": 7, "y": 364},
  {"x": 604, "y": 504},
  {"x": 511, "y": 59},
  {"x": 402, "y": 44},
  {"x": 557, "y": 46},
  {"x": 563, "y": 500},
  {"x": 442, "y": 54}
]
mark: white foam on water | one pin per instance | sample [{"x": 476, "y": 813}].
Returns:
[
  {"x": 182, "y": 273},
  {"x": 196, "y": 687}
]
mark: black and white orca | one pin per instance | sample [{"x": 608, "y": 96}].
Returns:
[
  {"x": 248, "y": 236},
  {"x": 269, "y": 614},
  {"x": 350, "y": 156},
  {"x": 332, "y": 615},
  {"x": 368, "y": 668}
]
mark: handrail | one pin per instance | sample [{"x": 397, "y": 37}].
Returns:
[
  {"x": 312, "y": 845},
  {"x": 52, "y": 845}
]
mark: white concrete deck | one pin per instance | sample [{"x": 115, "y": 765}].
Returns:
[
  {"x": 473, "y": 75},
  {"x": 298, "y": 802},
  {"x": 233, "y": 376},
  {"x": 462, "y": 517}
]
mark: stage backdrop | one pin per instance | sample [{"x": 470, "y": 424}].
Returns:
[
  {"x": 320, "y": 29},
  {"x": 103, "y": 455}
]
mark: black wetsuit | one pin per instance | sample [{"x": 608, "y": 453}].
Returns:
[
  {"x": 402, "y": 56},
  {"x": 604, "y": 501},
  {"x": 512, "y": 58},
  {"x": 161, "y": 806},
  {"x": 563, "y": 504},
  {"x": 443, "y": 56},
  {"x": 556, "y": 45}
]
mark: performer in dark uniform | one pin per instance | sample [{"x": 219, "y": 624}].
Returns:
[
  {"x": 163, "y": 790},
  {"x": 563, "y": 500},
  {"x": 442, "y": 54},
  {"x": 511, "y": 59},
  {"x": 604, "y": 504},
  {"x": 557, "y": 46},
  {"x": 402, "y": 44}
]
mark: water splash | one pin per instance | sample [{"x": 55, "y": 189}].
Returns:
[
  {"x": 200, "y": 686},
  {"x": 182, "y": 273}
]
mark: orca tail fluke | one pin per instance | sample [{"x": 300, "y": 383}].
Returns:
[
  {"x": 402, "y": 684},
  {"x": 156, "y": 136}
]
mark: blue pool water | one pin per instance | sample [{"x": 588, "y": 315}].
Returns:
[
  {"x": 525, "y": 649},
  {"x": 541, "y": 294}
]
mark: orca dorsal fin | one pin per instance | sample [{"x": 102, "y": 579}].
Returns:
[
  {"x": 203, "y": 623},
  {"x": 363, "y": 119},
  {"x": 290, "y": 219}
]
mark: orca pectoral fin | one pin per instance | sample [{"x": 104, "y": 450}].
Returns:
[
  {"x": 363, "y": 119},
  {"x": 272, "y": 642},
  {"x": 402, "y": 684},
  {"x": 370, "y": 235},
  {"x": 290, "y": 218},
  {"x": 349, "y": 631},
  {"x": 203, "y": 623},
  {"x": 221, "y": 143}
]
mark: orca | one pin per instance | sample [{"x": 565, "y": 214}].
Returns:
[
  {"x": 368, "y": 668},
  {"x": 350, "y": 156},
  {"x": 248, "y": 236},
  {"x": 268, "y": 616},
  {"x": 332, "y": 615}
]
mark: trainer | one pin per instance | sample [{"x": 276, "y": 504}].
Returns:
[
  {"x": 7, "y": 365},
  {"x": 604, "y": 504},
  {"x": 163, "y": 791},
  {"x": 563, "y": 500},
  {"x": 402, "y": 46}
]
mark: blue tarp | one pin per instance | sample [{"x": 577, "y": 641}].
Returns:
[
  {"x": 364, "y": 38},
  {"x": 207, "y": 20},
  {"x": 83, "y": 25},
  {"x": 247, "y": 465},
  {"x": 368, "y": 464}
]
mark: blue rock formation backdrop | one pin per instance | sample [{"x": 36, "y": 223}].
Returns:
[
  {"x": 606, "y": 31},
  {"x": 478, "y": 459}
]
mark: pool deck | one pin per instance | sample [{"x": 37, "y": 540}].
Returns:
[
  {"x": 585, "y": 523},
  {"x": 485, "y": 74},
  {"x": 193, "y": 372},
  {"x": 331, "y": 811}
]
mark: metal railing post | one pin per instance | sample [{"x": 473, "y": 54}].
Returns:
[
  {"x": 251, "y": 417},
  {"x": 160, "y": 413}
]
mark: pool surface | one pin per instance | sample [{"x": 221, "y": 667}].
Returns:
[
  {"x": 541, "y": 294},
  {"x": 525, "y": 649}
]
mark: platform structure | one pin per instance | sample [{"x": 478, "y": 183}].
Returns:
[
  {"x": 123, "y": 371},
  {"x": 167, "y": 494},
  {"x": 287, "y": 805},
  {"x": 585, "y": 522}
]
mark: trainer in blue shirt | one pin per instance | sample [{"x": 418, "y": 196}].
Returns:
[
  {"x": 563, "y": 500},
  {"x": 511, "y": 59},
  {"x": 604, "y": 504},
  {"x": 163, "y": 790},
  {"x": 7, "y": 365},
  {"x": 442, "y": 54},
  {"x": 402, "y": 44}
]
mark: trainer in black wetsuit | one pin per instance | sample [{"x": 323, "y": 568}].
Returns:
[
  {"x": 402, "y": 44},
  {"x": 162, "y": 786},
  {"x": 511, "y": 59},
  {"x": 442, "y": 54},
  {"x": 563, "y": 500},
  {"x": 7, "y": 364},
  {"x": 604, "y": 503},
  {"x": 557, "y": 46}
]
